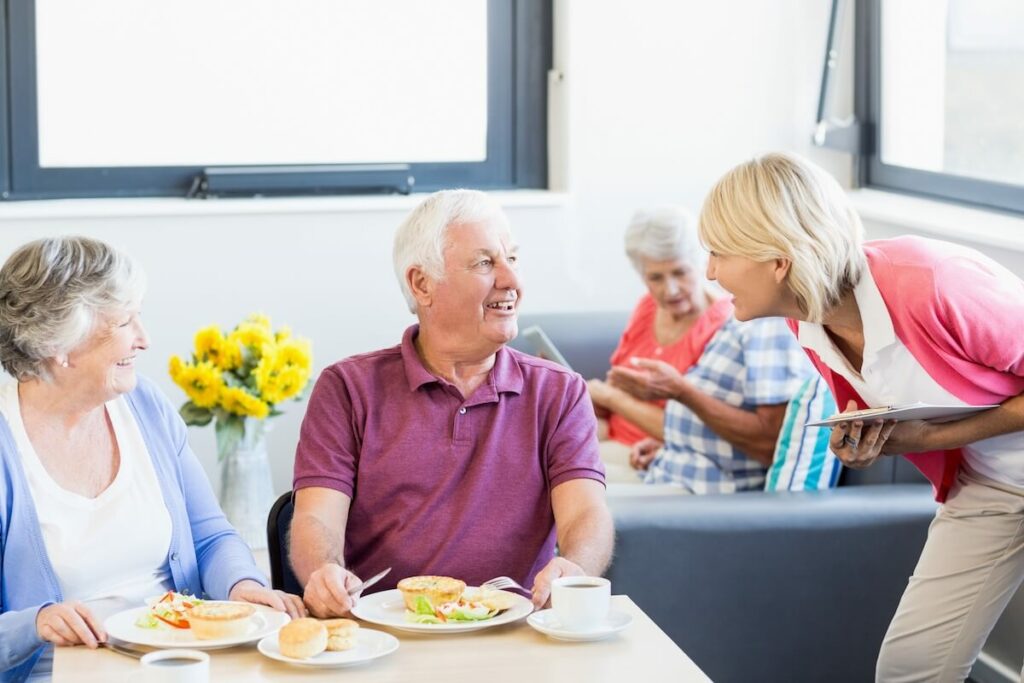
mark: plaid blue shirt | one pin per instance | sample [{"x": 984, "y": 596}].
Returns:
[{"x": 746, "y": 364}]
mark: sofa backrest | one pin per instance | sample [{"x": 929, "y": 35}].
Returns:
[
  {"x": 885, "y": 470},
  {"x": 585, "y": 339}
]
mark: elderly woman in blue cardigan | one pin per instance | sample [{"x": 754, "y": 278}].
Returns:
[{"x": 101, "y": 499}]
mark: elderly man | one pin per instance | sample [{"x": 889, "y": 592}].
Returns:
[{"x": 449, "y": 454}]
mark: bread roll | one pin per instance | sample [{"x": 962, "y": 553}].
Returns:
[
  {"x": 437, "y": 589},
  {"x": 341, "y": 634},
  {"x": 302, "y": 638},
  {"x": 212, "y": 620}
]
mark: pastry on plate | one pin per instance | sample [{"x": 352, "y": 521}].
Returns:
[
  {"x": 302, "y": 638},
  {"x": 341, "y": 634},
  {"x": 437, "y": 589},
  {"x": 213, "y": 620}
]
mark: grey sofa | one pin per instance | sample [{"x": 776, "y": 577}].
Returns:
[{"x": 763, "y": 586}]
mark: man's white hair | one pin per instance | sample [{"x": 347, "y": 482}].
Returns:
[{"x": 422, "y": 237}]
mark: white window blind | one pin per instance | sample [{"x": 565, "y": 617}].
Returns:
[{"x": 237, "y": 82}]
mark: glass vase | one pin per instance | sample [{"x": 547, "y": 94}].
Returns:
[{"x": 246, "y": 491}]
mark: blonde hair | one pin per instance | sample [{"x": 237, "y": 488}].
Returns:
[{"x": 783, "y": 206}]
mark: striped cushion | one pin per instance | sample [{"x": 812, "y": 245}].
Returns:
[{"x": 803, "y": 461}]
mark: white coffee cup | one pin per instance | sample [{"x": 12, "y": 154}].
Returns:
[
  {"x": 176, "y": 666},
  {"x": 581, "y": 603}
]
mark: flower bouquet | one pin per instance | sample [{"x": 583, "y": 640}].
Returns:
[
  {"x": 245, "y": 374},
  {"x": 237, "y": 381}
]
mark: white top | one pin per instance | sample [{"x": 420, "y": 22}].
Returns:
[
  {"x": 890, "y": 375},
  {"x": 111, "y": 548}
]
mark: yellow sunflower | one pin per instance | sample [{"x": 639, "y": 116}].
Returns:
[
  {"x": 240, "y": 402},
  {"x": 202, "y": 381},
  {"x": 253, "y": 335},
  {"x": 283, "y": 371},
  {"x": 212, "y": 346}
]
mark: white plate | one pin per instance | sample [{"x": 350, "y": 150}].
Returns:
[
  {"x": 387, "y": 609},
  {"x": 370, "y": 644},
  {"x": 122, "y": 626},
  {"x": 547, "y": 623}
]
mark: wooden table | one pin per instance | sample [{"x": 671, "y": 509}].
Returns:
[{"x": 515, "y": 653}]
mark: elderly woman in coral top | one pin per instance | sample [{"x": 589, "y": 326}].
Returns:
[
  {"x": 672, "y": 322},
  {"x": 891, "y": 322}
]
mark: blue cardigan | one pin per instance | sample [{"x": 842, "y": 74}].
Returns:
[{"x": 206, "y": 555}]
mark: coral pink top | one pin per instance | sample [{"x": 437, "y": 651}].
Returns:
[
  {"x": 639, "y": 341},
  {"x": 961, "y": 315}
]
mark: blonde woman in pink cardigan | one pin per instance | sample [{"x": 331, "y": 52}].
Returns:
[{"x": 891, "y": 322}]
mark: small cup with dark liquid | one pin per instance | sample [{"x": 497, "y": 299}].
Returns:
[
  {"x": 176, "y": 666},
  {"x": 581, "y": 603}
]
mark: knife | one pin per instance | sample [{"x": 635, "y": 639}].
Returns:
[{"x": 359, "y": 588}]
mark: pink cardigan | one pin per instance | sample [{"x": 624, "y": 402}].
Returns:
[{"x": 961, "y": 315}]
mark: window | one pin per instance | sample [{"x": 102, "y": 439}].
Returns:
[
  {"x": 121, "y": 98},
  {"x": 939, "y": 85}
]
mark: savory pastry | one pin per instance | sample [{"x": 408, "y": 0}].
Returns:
[
  {"x": 499, "y": 601},
  {"x": 341, "y": 634},
  {"x": 302, "y": 638},
  {"x": 211, "y": 620},
  {"x": 437, "y": 589}
]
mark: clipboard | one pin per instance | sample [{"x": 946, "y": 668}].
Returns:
[
  {"x": 909, "y": 411},
  {"x": 542, "y": 346}
]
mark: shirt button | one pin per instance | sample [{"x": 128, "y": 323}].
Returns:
[{"x": 462, "y": 410}]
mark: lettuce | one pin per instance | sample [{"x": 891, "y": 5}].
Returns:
[
  {"x": 147, "y": 621},
  {"x": 421, "y": 618},
  {"x": 470, "y": 614},
  {"x": 423, "y": 605}
]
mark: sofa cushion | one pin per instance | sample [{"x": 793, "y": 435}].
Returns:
[{"x": 803, "y": 460}]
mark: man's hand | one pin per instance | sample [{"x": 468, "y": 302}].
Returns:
[
  {"x": 69, "y": 623},
  {"x": 558, "y": 566},
  {"x": 643, "y": 452},
  {"x": 858, "y": 445},
  {"x": 327, "y": 591},
  {"x": 248, "y": 590},
  {"x": 647, "y": 380}
]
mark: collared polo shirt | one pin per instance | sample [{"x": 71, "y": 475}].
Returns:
[
  {"x": 890, "y": 375},
  {"x": 440, "y": 483}
]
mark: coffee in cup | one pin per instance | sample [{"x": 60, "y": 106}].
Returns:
[
  {"x": 581, "y": 603},
  {"x": 176, "y": 666}
]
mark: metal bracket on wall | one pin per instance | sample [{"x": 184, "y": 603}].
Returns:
[{"x": 255, "y": 181}]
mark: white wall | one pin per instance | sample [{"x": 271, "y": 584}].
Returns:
[{"x": 660, "y": 99}]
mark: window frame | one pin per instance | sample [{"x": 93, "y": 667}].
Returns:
[
  {"x": 519, "y": 57},
  {"x": 872, "y": 172}
]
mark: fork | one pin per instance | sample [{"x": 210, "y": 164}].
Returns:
[{"x": 501, "y": 582}]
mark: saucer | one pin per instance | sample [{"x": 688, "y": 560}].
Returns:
[{"x": 547, "y": 623}]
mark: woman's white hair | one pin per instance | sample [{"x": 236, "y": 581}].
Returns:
[
  {"x": 51, "y": 293},
  {"x": 422, "y": 237},
  {"x": 783, "y": 206},
  {"x": 664, "y": 234}
]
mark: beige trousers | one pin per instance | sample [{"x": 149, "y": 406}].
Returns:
[
  {"x": 969, "y": 569},
  {"x": 617, "y": 469}
]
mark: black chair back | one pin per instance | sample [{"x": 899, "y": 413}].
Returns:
[{"x": 278, "y": 523}]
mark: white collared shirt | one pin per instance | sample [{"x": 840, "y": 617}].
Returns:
[{"x": 890, "y": 375}]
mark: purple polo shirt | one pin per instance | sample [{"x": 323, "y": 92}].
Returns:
[{"x": 441, "y": 484}]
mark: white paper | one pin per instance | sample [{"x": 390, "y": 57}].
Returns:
[{"x": 909, "y": 411}]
